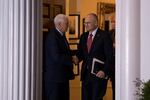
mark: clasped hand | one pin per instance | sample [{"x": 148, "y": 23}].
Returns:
[{"x": 75, "y": 59}]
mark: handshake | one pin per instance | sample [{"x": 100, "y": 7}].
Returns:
[{"x": 75, "y": 60}]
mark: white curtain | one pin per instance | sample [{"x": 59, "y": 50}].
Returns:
[{"x": 20, "y": 50}]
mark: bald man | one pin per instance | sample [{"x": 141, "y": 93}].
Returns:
[{"x": 95, "y": 43}]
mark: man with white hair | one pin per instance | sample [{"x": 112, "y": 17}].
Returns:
[{"x": 58, "y": 68}]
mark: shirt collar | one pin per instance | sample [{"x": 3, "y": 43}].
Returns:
[
  {"x": 59, "y": 31},
  {"x": 94, "y": 32}
]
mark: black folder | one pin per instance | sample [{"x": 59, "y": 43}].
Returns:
[{"x": 97, "y": 65}]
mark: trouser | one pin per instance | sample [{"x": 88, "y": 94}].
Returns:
[
  {"x": 94, "y": 89},
  {"x": 57, "y": 91}
]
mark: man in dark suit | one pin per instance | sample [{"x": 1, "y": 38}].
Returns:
[
  {"x": 94, "y": 85},
  {"x": 112, "y": 34},
  {"x": 58, "y": 61}
]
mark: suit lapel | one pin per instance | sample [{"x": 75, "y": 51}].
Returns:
[
  {"x": 96, "y": 38},
  {"x": 86, "y": 38},
  {"x": 66, "y": 42},
  {"x": 62, "y": 39}
]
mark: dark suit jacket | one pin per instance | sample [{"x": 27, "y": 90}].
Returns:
[
  {"x": 101, "y": 49},
  {"x": 112, "y": 34},
  {"x": 58, "y": 60}
]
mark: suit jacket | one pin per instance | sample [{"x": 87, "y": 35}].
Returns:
[
  {"x": 101, "y": 49},
  {"x": 112, "y": 74},
  {"x": 58, "y": 60}
]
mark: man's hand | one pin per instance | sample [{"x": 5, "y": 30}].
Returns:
[
  {"x": 100, "y": 74},
  {"x": 75, "y": 59}
]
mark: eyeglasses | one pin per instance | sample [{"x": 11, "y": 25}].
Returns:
[{"x": 87, "y": 23}]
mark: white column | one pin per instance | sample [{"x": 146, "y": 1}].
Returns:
[
  {"x": 127, "y": 48},
  {"x": 145, "y": 40},
  {"x": 20, "y": 50}
]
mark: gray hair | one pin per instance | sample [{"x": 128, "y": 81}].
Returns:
[{"x": 60, "y": 18}]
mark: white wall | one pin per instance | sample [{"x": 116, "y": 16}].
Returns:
[{"x": 145, "y": 39}]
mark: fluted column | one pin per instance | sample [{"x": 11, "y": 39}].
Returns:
[
  {"x": 20, "y": 50},
  {"x": 127, "y": 48}
]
